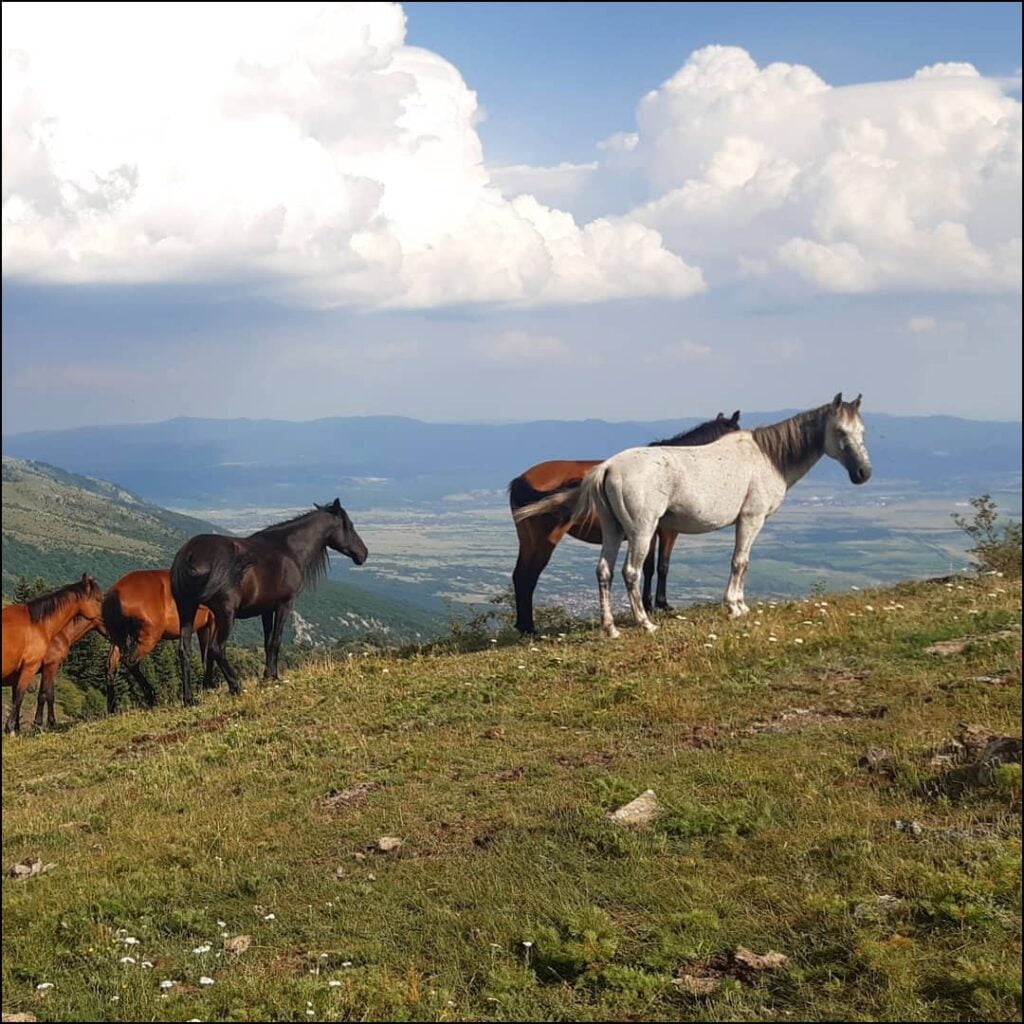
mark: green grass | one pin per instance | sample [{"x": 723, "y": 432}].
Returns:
[{"x": 513, "y": 896}]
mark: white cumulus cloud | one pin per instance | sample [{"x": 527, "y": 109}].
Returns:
[
  {"x": 301, "y": 146},
  {"x": 912, "y": 184}
]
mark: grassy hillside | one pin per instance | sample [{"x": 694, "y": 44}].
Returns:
[
  {"x": 892, "y": 887},
  {"x": 58, "y": 525}
]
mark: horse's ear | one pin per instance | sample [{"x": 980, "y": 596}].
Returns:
[
  {"x": 837, "y": 401},
  {"x": 318, "y": 507},
  {"x": 720, "y": 417},
  {"x": 735, "y": 419},
  {"x": 85, "y": 577},
  {"x": 336, "y": 506},
  {"x": 856, "y": 402}
]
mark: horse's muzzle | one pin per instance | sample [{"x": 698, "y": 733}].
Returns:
[
  {"x": 860, "y": 474},
  {"x": 358, "y": 557}
]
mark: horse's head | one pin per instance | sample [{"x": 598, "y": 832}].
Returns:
[
  {"x": 844, "y": 438},
  {"x": 90, "y": 596},
  {"x": 343, "y": 537}
]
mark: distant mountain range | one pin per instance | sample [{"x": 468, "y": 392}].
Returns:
[
  {"x": 58, "y": 525},
  {"x": 389, "y": 460}
]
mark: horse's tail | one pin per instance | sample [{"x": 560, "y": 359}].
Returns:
[
  {"x": 122, "y": 629},
  {"x": 192, "y": 586},
  {"x": 575, "y": 504}
]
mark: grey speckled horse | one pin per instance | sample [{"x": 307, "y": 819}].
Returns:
[{"x": 742, "y": 478}]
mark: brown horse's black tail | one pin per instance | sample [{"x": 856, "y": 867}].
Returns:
[
  {"x": 123, "y": 630},
  {"x": 521, "y": 493}
]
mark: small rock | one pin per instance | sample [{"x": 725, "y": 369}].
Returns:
[
  {"x": 877, "y": 761},
  {"x": 697, "y": 986},
  {"x": 494, "y": 734},
  {"x": 19, "y": 1017},
  {"x": 359, "y": 855},
  {"x": 947, "y": 647},
  {"x": 770, "y": 961},
  {"x": 206, "y": 981},
  {"x": 339, "y": 872},
  {"x": 911, "y": 828},
  {"x": 639, "y": 812},
  {"x": 28, "y": 868},
  {"x": 388, "y": 844},
  {"x": 238, "y": 945},
  {"x": 1000, "y": 750}
]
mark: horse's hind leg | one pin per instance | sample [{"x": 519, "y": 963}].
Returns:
[
  {"x": 113, "y": 662},
  {"x": 535, "y": 550},
  {"x": 205, "y": 638},
  {"x": 225, "y": 620},
  {"x": 185, "y": 660},
  {"x": 666, "y": 542},
  {"x": 144, "y": 645},
  {"x": 747, "y": 529},
  {"x": 611, "y": 534},
  {"x": 640, "y": 538}
]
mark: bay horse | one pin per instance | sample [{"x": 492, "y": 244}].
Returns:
[
  {"x": 28, "y": 630},
  {"x": 239, "y": 578},
  {"x": 539, "y": 535},
  {"x": 56, "y": 655},
  {"x": 742, "y": 479},
  {"x": 138, "y": 612}
]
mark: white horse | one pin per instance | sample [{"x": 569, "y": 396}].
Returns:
[{"x": 742, "y": 478}]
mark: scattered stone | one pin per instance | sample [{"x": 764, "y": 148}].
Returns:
[
  {"x": 879, "y": 907},
  {"x": 877, "y": 761},
  {"x": 770, "y": 961},
  {"x": 340, "y": 800},
  {"x": 28, "y": 868},
  {"x": 238, "y": 945},
  {"x": 388, "y": 844},
  {"x": 1000, "y": 750},
  {"x": 359, "y": 855},
  {"x": 639, "y": 812},
  {"x": 494, "y": 734},
  {"x": 947, "y": 647},
  {"x": 695, "y": 985},
  {"x": 911, "y": 828},
  {"x": 19, "y": 1017},
  {"x": 796, "y": 719},
  {"x": 339, "y": 872}
]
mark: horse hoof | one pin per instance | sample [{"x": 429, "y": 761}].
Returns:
[
  {"x": 650, "y": 627},
  {"x": 611, "y": 633}
]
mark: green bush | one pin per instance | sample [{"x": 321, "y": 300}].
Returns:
[{"x": 997, "y": 546}]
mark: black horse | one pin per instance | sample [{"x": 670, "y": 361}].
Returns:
[{"x": 239, "y": 578}]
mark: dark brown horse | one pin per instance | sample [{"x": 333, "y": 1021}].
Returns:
[
  {"x": 239, "y": 578},
  {"x": 139, "y": 612},
  {"x": 28, "y": 630},
  {"x": 538, "y": 537},
  {"x": 56, "y": 654}
]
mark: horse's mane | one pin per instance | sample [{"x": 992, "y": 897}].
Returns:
[
  {"x": 316, "y": 568},
  {"x": 793, "y": 441},
  {"x": 703, "y": 433},
  {"x": 43, "y": 607}
]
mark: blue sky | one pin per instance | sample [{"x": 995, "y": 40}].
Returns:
[
  {"x": 510, "y": 211},
  {"x": 585, "y": 65}
]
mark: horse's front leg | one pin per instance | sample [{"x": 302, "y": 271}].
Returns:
[
  {"x": 268, "y": 633},
  {"x": 666, "y": 542},
  {"x": 280, "y": 618},
  {"x": 22, "y": 681},
  {"x": 747, "y": 529}
]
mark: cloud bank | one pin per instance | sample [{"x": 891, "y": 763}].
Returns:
[
  {"x": 303, "y": 147},
  {"x": 305, "y": 150}
]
